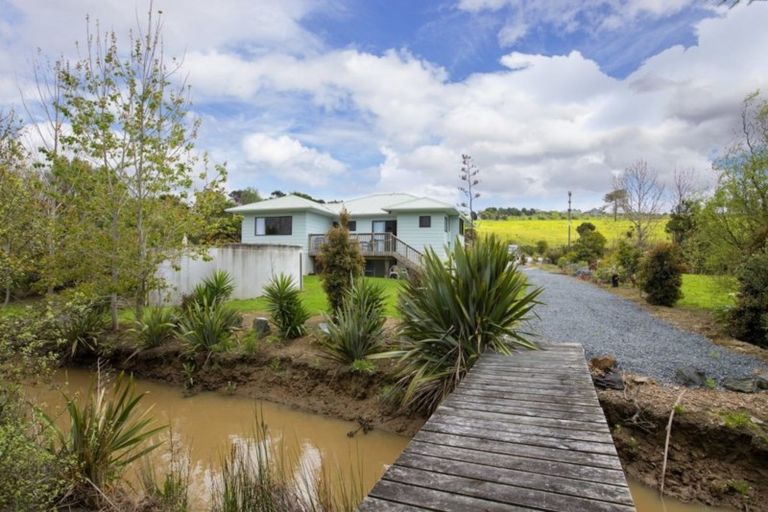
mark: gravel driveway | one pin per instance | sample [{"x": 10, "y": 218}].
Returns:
[{"x": 574, "y": 311}]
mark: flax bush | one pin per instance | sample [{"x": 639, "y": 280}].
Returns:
[
  {"x": 285, "y": 307},
  {"x": 472, "y": 302}
]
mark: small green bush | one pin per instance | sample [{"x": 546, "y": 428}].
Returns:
[
  {"x": 748, "y": 320},
  {"x": 207, "y": 326},
  {"x": 628, "y": 257},
  {"x": 661, "y": 273},
  {"x": 80, "y": 321},
  {"x": 217, "y": 287},
  {"x": 157, "y": 327},
  {"x": 285, "y": 307},
  {"x": 357, "y": 330}
]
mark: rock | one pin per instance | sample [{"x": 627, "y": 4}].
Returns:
[
  {"x": 603, "y": 363},
  {"x": 261, "y": 326},
  {"x": 761, "y": 382},
  {"x": 609, "y": 380},
  {"x": 323, "y": 327},
  {"x": 690, "y": 377},
  {"x": 740, "y": 385},
  {"x": 640, "y": 379}
]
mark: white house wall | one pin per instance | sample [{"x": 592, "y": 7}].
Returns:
[{"x": 408, "y": 231}]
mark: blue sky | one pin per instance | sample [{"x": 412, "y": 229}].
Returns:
[{"x": 339, "y": 98}]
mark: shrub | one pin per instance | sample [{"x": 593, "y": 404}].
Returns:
[
  {"x": 340, "y": 260},
  {"x": 157, "y": 327},
  {"x": 285, "y": 307},
  {"x": 459, "y": 308},
  {"x": 748, "y": 320},
  {"x": 591, "y": 243},
  {"x": 541, "y": 247},
  {"x": 206, "y": 326},
  {"x": 661, "y": 273},
  {"x": 628, "y": 257},
  {"x": 553, "y": 254},
  {"x": 80, "y": 321},
  {"x": 106, "y": 433},
  {"x": 217, "y": 287},
  {"x": 357, "y": 330}
]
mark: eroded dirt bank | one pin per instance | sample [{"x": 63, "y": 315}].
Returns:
[
  {"x": 291, "y": 375},
  {"x": 718, "y": 451}
]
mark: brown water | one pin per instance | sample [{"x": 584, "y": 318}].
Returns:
[{"x": 208, "y": 423}]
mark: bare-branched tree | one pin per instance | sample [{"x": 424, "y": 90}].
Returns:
[{"x": 643, "y": 198}]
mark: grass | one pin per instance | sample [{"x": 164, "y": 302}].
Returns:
[
  {"x": 316, "y": 302},
  {"x": 528, "y": 231},
  {"x": 708, "y": 292}
]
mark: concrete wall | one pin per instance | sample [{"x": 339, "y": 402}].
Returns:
[{"x": 251, "y": 267}]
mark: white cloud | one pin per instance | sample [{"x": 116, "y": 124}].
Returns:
[{"x": 290, "y": 159}]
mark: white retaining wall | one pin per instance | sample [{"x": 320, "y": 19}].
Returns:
[{"x": 251, "y": 266}]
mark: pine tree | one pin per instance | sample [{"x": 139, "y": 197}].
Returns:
[{"x": 340, "y": 260}]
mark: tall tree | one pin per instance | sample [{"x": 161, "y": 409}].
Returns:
[
  {"x": 129, "y": 118},
  {"x": 643, "y": 198},
  {"x": 19, "y": 224},
  {"x": 615, "y": 198},
  {"x": 468, "y": 181},
  {"x": 245, "y": 196}
]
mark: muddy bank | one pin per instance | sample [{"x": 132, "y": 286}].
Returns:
[
  {"x": 718, "y": 451},
  {"x": 291, "y": 373}
]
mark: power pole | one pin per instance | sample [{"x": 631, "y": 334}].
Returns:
[{"x": 569, "y": 220}]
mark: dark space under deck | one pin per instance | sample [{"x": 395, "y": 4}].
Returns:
[{"x": 521, "y": 432}]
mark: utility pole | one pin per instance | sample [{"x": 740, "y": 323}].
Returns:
[{"x": 569, "y": 220}]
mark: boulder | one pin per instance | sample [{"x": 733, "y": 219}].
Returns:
[
  {"x": 740, "y": 385},
  {"x": 603, "y": 363},
  {"x": 690, "y": 377},
  {"x": 261, "y": 326},
  {"x": 609, "y": 380},
  {"x": 323, "y": 326},
  {"x": 761, "y": 382}
]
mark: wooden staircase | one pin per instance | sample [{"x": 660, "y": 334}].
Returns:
[{"x": 377, "y": 245}]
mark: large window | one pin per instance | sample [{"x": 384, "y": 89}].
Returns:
[
  {"x": 352, "y": 225},
  {"x": 274, "y": 225},
  {"x": 425, "y": 221}
]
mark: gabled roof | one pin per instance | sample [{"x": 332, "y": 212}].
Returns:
[
  {"x": 421, "y": 204},
  {"x": 283, "y": 204}
]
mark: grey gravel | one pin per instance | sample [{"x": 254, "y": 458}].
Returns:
[{"x": 575, "y": 311}]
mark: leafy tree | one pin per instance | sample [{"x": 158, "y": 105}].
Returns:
[
  {"x": 308, "y": 197},
  {"x": 131, "y": 122},
  {"x": 277, "y": 193},
  {"x": 661, "y": 272},
  {"x": 591, "y": 243},
  {"x": 749, "y": 319},
  {"x": 615, "y": 198},
  {"x": 628, "y": 256},
  {"x": 20, "y": 241},
  {"x": 247, "y": 195},
  {"x": 682, "y": 222},
  {"x": 734, "y": 221},
  {"x": 340, "y": 261},
  {"x": 214, "y": 225}
]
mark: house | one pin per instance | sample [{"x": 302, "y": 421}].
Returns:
[{"x": 392, "y": 229}]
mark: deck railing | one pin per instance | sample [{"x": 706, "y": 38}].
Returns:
[{"x": 375, "y": 244}]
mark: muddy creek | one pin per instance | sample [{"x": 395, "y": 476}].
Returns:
[{"x": 207, "y": 424}]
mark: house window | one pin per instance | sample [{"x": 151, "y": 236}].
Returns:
[
  {"x": 352, "y": 225},
  {"x": 446, "y": 224},
  {"x": 425, "y": 221},
  {"x": 461, "y": 226},
  {"x": 274, "y": 225}
]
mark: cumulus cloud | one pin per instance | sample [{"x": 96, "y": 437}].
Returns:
[{"x": 290, "y": 159}]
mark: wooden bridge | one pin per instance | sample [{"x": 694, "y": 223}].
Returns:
[{"x": 524, "y": 432}]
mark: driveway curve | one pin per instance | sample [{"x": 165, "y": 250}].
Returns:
[{"x": 575, "y": 311}]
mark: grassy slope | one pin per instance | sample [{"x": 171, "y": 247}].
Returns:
[
  {"x": 555, "y": 231},
  {"x": 707, "y": 292},
  {"x": 315, "y": 300}
]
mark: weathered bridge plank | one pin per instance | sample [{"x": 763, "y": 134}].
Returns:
[{"x": 522, "y": 432}]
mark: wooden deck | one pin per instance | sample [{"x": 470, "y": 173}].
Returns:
[{"x": 519, "y": 433}]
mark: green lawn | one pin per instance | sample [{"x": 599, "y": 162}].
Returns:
[
  {"x": 525, "y": 231},
  {"x": 315, "y": 300},
  {"x": 708, "y": 292}
]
